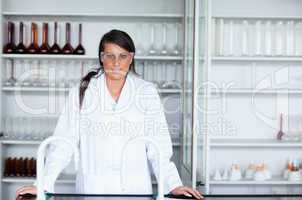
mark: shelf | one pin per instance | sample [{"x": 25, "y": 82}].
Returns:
[
  {"x": 164, "y": 91},
  {"x": 275, "y": 180},
  {"x": 92, "y": 15},
  {"x": 258, "y": 58},
  {"x": 158, "y": 57},
  {"x": 69, "y": 180},
  {"x": 260, "y": 17},
  {"x": 258, "y": 91},
  {"x": 247, "y": 143},
  {"x": 20, "y": 142},
  {"x": 46, "y": 56},
  {"x": 34, "y": 89},
  {"x": 169, "y": 91},
  {"x": 81, "y": 57},
  {"x": 175, "y": 142},
  {"x": 65, "y": 180},
  {"x": 49, "y": 89}
]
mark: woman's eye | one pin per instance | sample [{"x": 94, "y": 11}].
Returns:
[
  {"x": 110, "y": 56},
  {"x": 123, "y": 56}
]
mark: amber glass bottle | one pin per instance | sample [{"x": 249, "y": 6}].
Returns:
[
  {"x": 80, "y": 49},
  {"x": 19, "y": 166},
  {"x": 21, "y": 47},
  {"x": 10, "y": 46},
  {"x": 13, "y": 167},
  {"x": 33, "y": 48},
  {"x": 7, "y": 167},
  {"x": 44, "y": 48},
  {"x": 67, "y": 49},
  {"x": 55, "y": 49}
]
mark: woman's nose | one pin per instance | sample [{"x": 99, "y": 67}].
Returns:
[{"x": 117, "y": 61}]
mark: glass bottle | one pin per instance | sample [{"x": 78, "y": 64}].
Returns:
[
  {"x": 34, "y": 168},
  {"x": 152, "y": 48},
  {"x": 176, "y": 49},
  {"x": 10, "y": 47},
  {"x": 33, "y": 48},
  {"x": 67, "y": 49},
  {"x": 18, "y": 166},
  {"x": 21, "y": 47},
  {"x": 23, "y": 167},
  {"x": 55, "y": 49},
  {"x": 45, "y": 47},
  {"x": 25, "y": 163},
  {"x": 13, "y": 165},
  {"x": 164, "y": 50},
  {"x": 29, "y": 164},
  {"x": 7, "y": 167},
  {"x": 80, "y": 49}
]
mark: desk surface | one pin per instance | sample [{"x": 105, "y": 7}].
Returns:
[{"x": 168, "y": 197}]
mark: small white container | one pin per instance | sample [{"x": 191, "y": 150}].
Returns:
[
  {"x": 285, "y": 174},
  {"x": 250, "y": 171},
  {"x": 249, "y": 174},
  {"x": 260, "y": 176},
  {"x": 225, "y": 175},
  {"x": 235, "y": 175},
  {"x": 217, "y": 176},
  {"x": 294, "y": 176}
]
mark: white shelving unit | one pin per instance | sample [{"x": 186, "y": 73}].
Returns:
[
  {"x": 96, "y": 20},
  {"x": 238, "y": 123},
  {"x": 246, "y": 91}
]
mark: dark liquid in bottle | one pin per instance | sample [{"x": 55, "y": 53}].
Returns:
[
  {"x": 10, "y": 46},
  {"x": 45, "y": 47},
  {"x": 55, "y": 49},
  {"x": 7, "y": 167},
  {"x": 67, "y": 49},
  {"x": 21, "y": 47},
  {"x": 33, "y": 48},
  {"x": 80, "y": 49}
]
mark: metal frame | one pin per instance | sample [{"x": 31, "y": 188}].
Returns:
[
  {"x": 195, "y": 93},
  {"x": 1, "y": 98},
  {"x": 208, "y": 62}
]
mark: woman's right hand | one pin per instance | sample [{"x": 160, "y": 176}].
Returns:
[{"x": 27, "y": 190}]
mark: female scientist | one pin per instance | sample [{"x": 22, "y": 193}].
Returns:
[{"x": 111, "y": 106}]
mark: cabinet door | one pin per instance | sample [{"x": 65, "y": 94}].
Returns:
[
  {"x": 187, "y": 96},
  {"x": 194, "y": 76},
  {"x": 202, "y": 52}
]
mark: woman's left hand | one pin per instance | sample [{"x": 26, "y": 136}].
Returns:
[{"x": 187, "y": 191}]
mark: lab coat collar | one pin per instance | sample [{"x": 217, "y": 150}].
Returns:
[{"x": 107, "y": 103}]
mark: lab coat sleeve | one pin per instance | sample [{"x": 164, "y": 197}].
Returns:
[
  {"x": 156, "y": 128},
  {"x": 59, "y": 154}
]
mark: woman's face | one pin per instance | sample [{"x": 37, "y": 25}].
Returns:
[{"x": 116, "y": 61}]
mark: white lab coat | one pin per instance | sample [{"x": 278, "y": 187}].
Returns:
[{"x": 101, "y": 129}]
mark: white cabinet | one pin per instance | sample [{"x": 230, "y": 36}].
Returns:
[
  {"x": 240, "y": 69},
  {"x": 254, "y": 66}
]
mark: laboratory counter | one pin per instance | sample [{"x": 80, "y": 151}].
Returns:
[{"x": 168, "y": 197}]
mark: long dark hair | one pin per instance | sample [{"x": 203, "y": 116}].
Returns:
[{"x": 117, "y": 37}]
